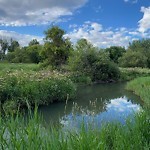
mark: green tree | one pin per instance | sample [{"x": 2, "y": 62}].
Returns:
[
  {"x": 143, "y": 47},
  {"x": 33, "y": 52},
  {"x": 115, "y": 52},
  {"x": 13, "y": 45},
  {"x": 20, "y": 55},
  {"x": 133, "y": 59},
  {"x": 56, "y": 49},
  {"x": 3, "y": 48},
  {"x": 92, "y": 62},
  {"x": 33, "y": 42},
  {"x": 83, "y": 56}
]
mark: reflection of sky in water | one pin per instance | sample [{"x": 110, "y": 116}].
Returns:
[{"x": 117, "y": 110}]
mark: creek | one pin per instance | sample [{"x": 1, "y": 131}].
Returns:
[{"x": 98, "y": 103}]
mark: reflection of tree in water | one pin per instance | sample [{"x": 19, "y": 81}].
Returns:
[{"x": 90, "y": 99}]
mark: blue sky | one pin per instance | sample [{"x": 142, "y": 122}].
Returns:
[{"x": 102, "y": 22}]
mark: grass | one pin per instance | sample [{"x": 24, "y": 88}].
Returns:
[
  {"x": 4, "y": 67},
  {"x": 17, "y": 133},
  {"x": 132, "y": 73},
  {"x": 141, "y": 87}
]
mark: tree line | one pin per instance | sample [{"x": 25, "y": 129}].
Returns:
[{"x": 58, "y": 52}]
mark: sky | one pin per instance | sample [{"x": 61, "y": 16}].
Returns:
[{"x": 104, "y": 23}]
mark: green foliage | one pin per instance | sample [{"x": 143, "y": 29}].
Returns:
[
  {"x": 105, "y": 71},
  {"x": 132, "y": 73},
  {"x": 91, "y": 62},
  {"x": 18, "y": 133},
  {"x": 83, "y": 57},
  {"x": 33, "y": 52},
  {"x": 141, "y": 87},
  {"x": 20, "y": 55},
  {"x": 133, "y": 59},
  {"x": 33, "y": 42},
  {"x": 80, "y": 78},
  {"x": 4, "y": 46},
  {"x": 13, "y": 45},
  {"x": 6, "y": 68},
  {"x": 29, "y": 89},
  {"x": 29, "y": 54},
  {"x": 138, "y": 54},
  {"x": 115, "y": 52},
  {"x": 56, "y": 49}
]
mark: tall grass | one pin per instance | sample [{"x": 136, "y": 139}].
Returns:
[
  {"x": 141, "y": 87},
  {"x": 132, "y": 73},
  {"x": 17, "y": 133},
  {"x": 18, "y": 66}
]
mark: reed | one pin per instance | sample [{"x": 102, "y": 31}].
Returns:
[{"x": 18, "y": 133}]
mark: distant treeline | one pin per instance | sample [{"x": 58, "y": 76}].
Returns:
[{"x": 58, "y": 52}]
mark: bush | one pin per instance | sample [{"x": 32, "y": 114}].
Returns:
[
  {"x": 133, "y": 59},
  {"x": 105, "y": 71},
  {"x": 92, "y": 63},
  {"x": 28, "y": 91}
]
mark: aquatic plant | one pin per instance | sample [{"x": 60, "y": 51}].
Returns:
[{"x": 30, "y": 133}]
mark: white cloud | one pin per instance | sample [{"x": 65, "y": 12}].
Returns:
[
  {"x": 105, "y": 37},
  {"x": 131, "y": 1},
  {"x": 92, "y": 31},
  {"x": 144, "y": 23},
  {"x": 23, "y": 39},
  {"x": 34, "y": 12},
  {"x": 100, "y": 37}
]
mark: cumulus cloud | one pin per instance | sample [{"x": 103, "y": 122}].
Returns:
[
  {"x": 100, "y": 37},
  {"x": 34, "y": 12},
  {"x": 144, "y": 23},
  {"x": 92, "y": 31},
  {"x": 105, "y": 37},
  {"x": 23, "y": 39}
]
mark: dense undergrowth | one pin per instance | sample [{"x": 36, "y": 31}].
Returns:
[{"x": 21, "y": 88}]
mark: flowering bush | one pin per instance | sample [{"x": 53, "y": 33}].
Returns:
[{"x": 35, "y": 88}]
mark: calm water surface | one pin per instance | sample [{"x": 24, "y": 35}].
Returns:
[{"x": 99, "y": 103}]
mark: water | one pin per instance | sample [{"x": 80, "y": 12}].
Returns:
[{"x": 99, "y": 103}]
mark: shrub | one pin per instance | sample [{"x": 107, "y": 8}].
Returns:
[
  {"x": 133, "y": 59},
  {"x": 105, "y": 71},
  {"x": 26, "y": 90},
  {"x": 92, "y": 63}
]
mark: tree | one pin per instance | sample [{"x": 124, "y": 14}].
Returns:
[
  {"x": 115, "y": 52},
  {"x": 83, "y": 56},
  {"x": 13, "y": 45},
  {"x": 3, "y": 48},
  {"x": 92, "y": 62},
  {"x": 133, "y": 59},
  {"x": 33, "y": 52},
  {"x": 143, "y": 47},
  {"x": 33, "y": 42},
  {"x": 56, "y": 49}
]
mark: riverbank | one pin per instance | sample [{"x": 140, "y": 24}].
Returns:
[
  {"x": 28, "y": 84},
  {"x": 141, "y": 87}
]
